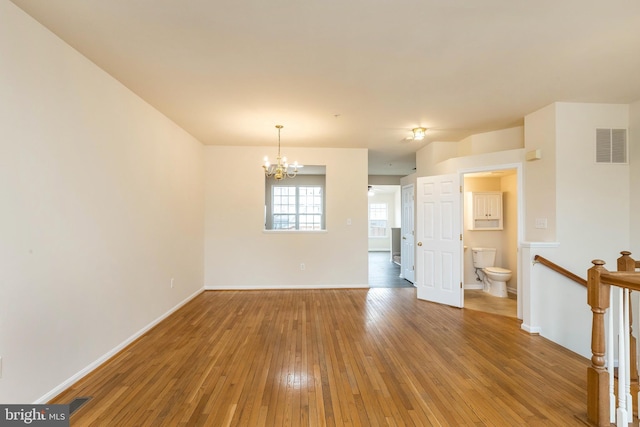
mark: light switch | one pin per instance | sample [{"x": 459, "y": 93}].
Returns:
[{"x": 541, "y": 222}]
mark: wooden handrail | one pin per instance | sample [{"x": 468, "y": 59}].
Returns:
[
  {"x": 555, "y": 267},
  {"x": 622, "y": 279}
]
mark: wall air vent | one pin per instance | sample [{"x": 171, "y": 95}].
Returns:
[{"x": 611, "y": 146}]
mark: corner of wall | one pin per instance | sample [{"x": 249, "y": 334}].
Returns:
[{"x": 634, "y": 174}]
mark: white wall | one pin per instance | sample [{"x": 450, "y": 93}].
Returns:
[
  {"x": 634, "y": 191},
  {"x": 540, "y": 175},
  {"x": 437, "y": 152},
  {"x": 240, "y": 254},
  {"x": 475, "y": 162},
  {"x": 592, "y": 214},
  {"x": 102, "y": 204},
  {"x": 592, "y": 199},
  {"x": 490, "y": 142}
]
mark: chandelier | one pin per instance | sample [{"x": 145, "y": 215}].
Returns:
[{"x": 281, "y": 169}]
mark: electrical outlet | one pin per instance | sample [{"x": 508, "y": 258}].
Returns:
[
  {"x": 541, "y": 222},
  {"x": 302, "y": 266},
  {"x": 172, "y": 283}
]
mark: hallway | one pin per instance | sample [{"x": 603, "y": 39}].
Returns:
[{"x": 383, "y": 273}]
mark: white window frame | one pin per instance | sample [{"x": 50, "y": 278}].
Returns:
[
  {"x": 297, "y": 210},
  {"x": 376, "y": 209}
]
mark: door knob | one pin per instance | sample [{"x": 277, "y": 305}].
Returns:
[{"x": 419, "y": 243}]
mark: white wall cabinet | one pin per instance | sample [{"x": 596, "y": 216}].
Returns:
[{"x": 484, "y": 210}]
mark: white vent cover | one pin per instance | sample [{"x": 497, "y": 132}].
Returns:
[{"x": 611, "y": 146}]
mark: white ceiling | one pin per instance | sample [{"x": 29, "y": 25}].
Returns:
[{"x": 355, "y": 73}]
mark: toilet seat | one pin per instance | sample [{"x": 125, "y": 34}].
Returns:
[{"x": 497, "y": 270}]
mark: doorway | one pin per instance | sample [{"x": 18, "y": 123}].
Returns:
[
  {"x": 500, "y": 234},
  {"x": 383, "y": 273},
  {"x": 443, "y": 255},
  {"x": 384, "y": 233}
]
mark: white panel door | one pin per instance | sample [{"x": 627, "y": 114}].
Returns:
[
  {"x": 408, "y": 235},
  {"x": 438, "y": 240}
]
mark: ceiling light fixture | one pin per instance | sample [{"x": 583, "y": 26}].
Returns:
[
  {"x": 418, "y": 133},
  {"x": 281, "y": 169}
]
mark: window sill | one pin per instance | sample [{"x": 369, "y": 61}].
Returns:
[{"x": 294, "y": 231}]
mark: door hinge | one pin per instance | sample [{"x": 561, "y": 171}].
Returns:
[
  {"x": 461, "y": 188},
  {"x": 461, "y": 237},
  {"x": 460, "y": 285}
]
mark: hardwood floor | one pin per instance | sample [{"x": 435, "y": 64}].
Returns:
[
  {"x": 361, "y": 357},
  {"x": 477, "y": 299}
]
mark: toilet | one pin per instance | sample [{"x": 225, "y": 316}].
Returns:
[{"x": 494, "y": 279}]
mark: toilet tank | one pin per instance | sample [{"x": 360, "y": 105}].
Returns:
[{"x": 483, "y": 257}]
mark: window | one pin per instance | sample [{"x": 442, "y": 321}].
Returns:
[
  {"x": 297, "y": 207},
  {"x": 296, "y": 204},
  {"x": 378, "y": 220}
]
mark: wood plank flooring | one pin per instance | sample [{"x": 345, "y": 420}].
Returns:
[
  {"x": 361, "y": 357},
  {"x": 477, "y": 299}
]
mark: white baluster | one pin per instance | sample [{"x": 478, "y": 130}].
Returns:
[
  {"x": 609, "y": 350},
  {"x": 621, "y": 418},
  {"x": 627, "y": 347}
]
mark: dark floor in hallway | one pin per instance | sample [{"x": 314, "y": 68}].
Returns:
[{"x": 383, "y": 273}]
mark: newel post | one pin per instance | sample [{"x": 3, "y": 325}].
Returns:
[
  {"x": 625, "y": 262},
  {"x": 597, "y": 375}
]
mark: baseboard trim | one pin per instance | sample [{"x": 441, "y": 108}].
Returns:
[
  {"x": 91, "y": 367},
  {"x": 271, "y": 288},
  {"x": 533, "y": 330},
  {"x": 472, "y": 286}
]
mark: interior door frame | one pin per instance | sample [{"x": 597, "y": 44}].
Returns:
[
  {"x": 520, "y": 227},
  {"x": 405, "y": 256}
]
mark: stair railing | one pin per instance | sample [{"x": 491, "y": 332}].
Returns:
[
  {"x": 555, "y": 267},
  {"x": 604, "y": 407}
]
